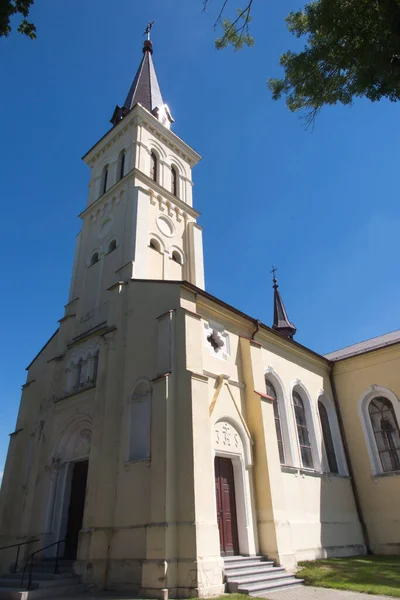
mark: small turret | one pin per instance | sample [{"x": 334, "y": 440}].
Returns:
[{"x": 281, "y": 320}]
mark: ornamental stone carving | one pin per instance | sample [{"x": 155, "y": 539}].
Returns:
[{"x": 227, "y": 438}]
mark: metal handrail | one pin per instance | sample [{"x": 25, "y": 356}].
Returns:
[
  {"x": 30, "y": 559},
  {"x": 18, "y": 546}
]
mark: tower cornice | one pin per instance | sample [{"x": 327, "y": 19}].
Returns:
[
  {"x": 139, "y": 116},
  {"x": 135, "y": 173}
]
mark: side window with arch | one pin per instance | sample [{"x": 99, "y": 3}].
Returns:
[
  {"x": 154, "y": 245},
  {"x": 112, "y": 246},
  {"x": 104, "y": 180},
  {"x": 174, "y": 181},
  {"x": 121, "y": 164},
  {"x": 327, "y": 438},
  {"x": 303, "y": 433},
  {"x": 153, "y": 167},
  {"x": 271, "y": 392},
  {"x": 94, "y": 259},
  {"x": 176, "y": 257},
  {"x": 140, "y": 421},
  {"x": 386, "y": 433}
]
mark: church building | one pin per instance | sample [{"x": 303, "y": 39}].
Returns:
[{"x": 164, "y": 436}]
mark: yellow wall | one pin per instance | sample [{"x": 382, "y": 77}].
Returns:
[{"x": 353, "y": 379}]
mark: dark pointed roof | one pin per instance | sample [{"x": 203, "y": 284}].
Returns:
[
  {"x": 281, "y": 320},
  {"x": 144, "y": 90}
]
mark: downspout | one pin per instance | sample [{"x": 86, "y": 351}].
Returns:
[
  {"x": 349, "y": 464},
  {"x": 257, "y": 328}
]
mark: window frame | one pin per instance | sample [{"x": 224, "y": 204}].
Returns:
[
  {"x": 104, "y": 179},
  {"x": 277, "y": 419},
  {"x": 330, "y": 454},
  {"x": 121, "y": 164},
  {"x": 174, "y": 181},
  {"x": 154, "y": 166},
  {"x": 370, "y": 394}
]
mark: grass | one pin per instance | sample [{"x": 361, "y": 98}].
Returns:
[{"x": 369, "y": 574}]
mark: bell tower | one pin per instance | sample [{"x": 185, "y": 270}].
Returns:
[{"x": 139, "y": 221}]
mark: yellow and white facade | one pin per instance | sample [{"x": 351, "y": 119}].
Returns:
[{"x": 150, "y": 385}]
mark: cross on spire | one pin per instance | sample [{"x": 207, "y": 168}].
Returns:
[
  {"x": 273, "y": 271},
  {"x": 149, "y": 27}
]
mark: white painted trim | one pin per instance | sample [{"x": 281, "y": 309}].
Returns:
[
  {"x": 158, "y": 239},
  {"x": 336, "y": 437},
  {"x": 298, "y": 386},
  {"x": 375, "y": 391},
  {"x": 289, "y": 447},
  {"x": 242, "y": 463}
]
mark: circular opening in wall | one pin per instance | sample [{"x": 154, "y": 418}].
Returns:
[{"x": 166, "y": 226}]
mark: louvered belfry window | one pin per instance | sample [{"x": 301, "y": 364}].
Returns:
[
  {"x": 302, "y": 432},
  {"x": 174, "y": 181},
  {"x": 386, "y": 432},
  {"x": 153, "y": 167},
  {"x": 271, "y": 392},
  {"x": 328, "y": 440}
]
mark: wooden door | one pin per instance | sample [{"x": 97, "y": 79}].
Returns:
[
  {"x": 226, "y": 506},
  {"x": 76, "y": 508}
]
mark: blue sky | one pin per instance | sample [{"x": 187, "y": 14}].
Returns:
[{"x": 322, "y": 206}]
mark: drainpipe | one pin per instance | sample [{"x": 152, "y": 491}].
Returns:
[{"x": 349, "y": 464}]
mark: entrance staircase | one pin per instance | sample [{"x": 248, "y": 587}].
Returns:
[
  {"x": 256, "y": 575},
  {"x": 45, "y": 583}
]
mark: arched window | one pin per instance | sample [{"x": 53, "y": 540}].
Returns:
[
  {"x": 386, "y": 432},
  {"x": 176, "y": 257},
  {"x": 140, "y": 419},
  {"x": 174, "y": 181},
  {"x": 302, "y": 432},
  {"x": 104, "y": 179},
  {"x": 78, "y": 374},
  {"x": 94, "y": 259},
  {"x": 327, "y": 437},
  {"x": 154, "y": 245},
  {"x": 272, "y": 394},
  {"x": 121, "y": 164},
  {"x": 112, "y": 246},
  {"x": 153, "y": 167}
]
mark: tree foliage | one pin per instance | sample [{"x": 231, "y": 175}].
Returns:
[
  {"x": 234, "y": 33},
  {"x": 9, "y": 8},
  {"x": 352, "y": 49}
]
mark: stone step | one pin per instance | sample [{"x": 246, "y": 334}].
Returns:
[
  {"x": 261, "y": 568},
  {"x": 279, "y": 588},
  {"x": 235, "y": 582},
  {"x": 260, "y": 588},
  {"x": 21, "y": 594},
  {"x": 229, "y": 559},
  {"x": 260, "y": 584},
  {"x": 235, "y": 566}
]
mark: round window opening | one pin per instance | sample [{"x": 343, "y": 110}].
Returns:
[{"x": 166, "y": 226}]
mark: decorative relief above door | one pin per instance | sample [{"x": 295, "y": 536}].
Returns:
[{"x": 226, "y": 438}]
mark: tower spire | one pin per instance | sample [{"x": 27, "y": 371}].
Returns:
[
  {"x": 145, "y": 89},
  {"x": 281, "y": 320}
]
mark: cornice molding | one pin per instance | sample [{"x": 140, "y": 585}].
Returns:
[{"x": 141, "y": 117}]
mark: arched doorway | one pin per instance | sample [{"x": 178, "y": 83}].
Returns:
[
  {"x": 233, "y": 488},
  {"x": 69, "y": 471}
]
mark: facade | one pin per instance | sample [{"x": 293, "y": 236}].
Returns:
[{"x": 161, "y": 429}]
